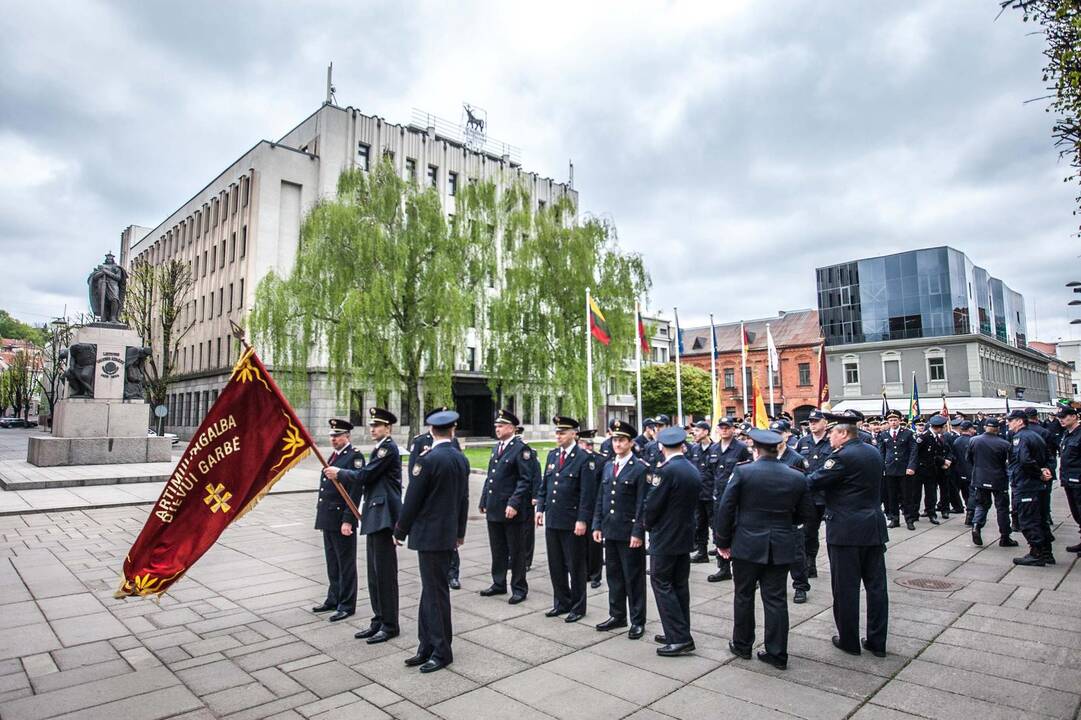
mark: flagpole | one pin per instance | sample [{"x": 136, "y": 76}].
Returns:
[
  {"x": 589, "y": 368},
  {"x": 769, "y": 360},
  {"x": 713, "y": 368},
  {"x": 679, "y": 381},
  {"x": 743, "y": 364},
  {"x": 638, "y": 363}
]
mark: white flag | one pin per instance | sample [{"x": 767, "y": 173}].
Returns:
[{"x": 771, "y": 348}]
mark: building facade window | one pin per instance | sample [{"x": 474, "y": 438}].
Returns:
[
  {"x": 891, "y": 368},
  {"x": 936, "y": 369},
  {"x": 729, "y": 378},
  {"x": 851, "y": 370},
  {"x": 452, "y": 184},
  {"x": 804, "y": 374},
  {"x": 363, "y": 159},
  {"x": 411, "y": 170},
  {"x": 433, "y": 176}
]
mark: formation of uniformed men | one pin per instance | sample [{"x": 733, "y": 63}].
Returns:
[{"x": 660, "y": 494}]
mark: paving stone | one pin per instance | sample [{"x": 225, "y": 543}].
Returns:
[
  {"x": 100, "y": 692},
  {"x": 329, "y": 703},
  {"x": 210, "y": 678},
  {"x": 14, "y": 681},
  {"x": 877, "y": 712},
  {"x": 19, "y": 613},
  {"x": 517, "y": 643},
  {"x": 643, "y": 654},
  {"x": 212, "y": 645},
  {"x": 89, "y": 654},
  {"x": 1003, "y": 665},
  {"x": 304, "y": 662},
  {"x": 140, "y": 657},
  {"x": 1027, "y": 617},
  {"x": 422, "y": 690},
  {"x": 275, "y": 707},
  {"x": 277, "y": 682},
  {"x": 57, "y": 608},
  {"x": 486, "y": 704},
  {"x": 12, "y": 588},
  {"x": 79, "y": 675},
  {"x": 357, "y": 709},
  {"x": 937, "y": 704},
  {"x": 613, "y": 677},
  {"x": 9, "y": 666},
  {"x": 88, "y": 628},
  {"x": 329, "y": 678},
  {"x": 820, "y": 675},
  {"x": 692, "y": 702},
  {"x": 274, "y": 656},
  {"x": 165, "y": 703},
  {"x": 40, "y": 664},
  {"x": 777, "y": 693},
  {"x": 560, "y": 696},
  {"x": 237, "y": 698},
  {"x": 172, "y": 618},
  {"x": 1020, "y": 631},
  {"x": 406, "y": 710},
  {"x": 45, "y": 576},
  {"x": 28, "y": 640},
  {"x": 377, "y": 695}
]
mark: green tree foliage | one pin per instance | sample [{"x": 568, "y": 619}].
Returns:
[
  {"x": 383, "y": 289},
  {"x": 14, "y": 329},
  {"x": 1060, "y": 23},
  {"x": 18, "y": 382},
  {"x": 659, "y": 390},
  {"x": 537, "y": 321}
]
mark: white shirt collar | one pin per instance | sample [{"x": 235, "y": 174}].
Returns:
[{"x": 439, "y": 441}]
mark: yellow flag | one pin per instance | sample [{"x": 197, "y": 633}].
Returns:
[{"x": 761, "y": 419}]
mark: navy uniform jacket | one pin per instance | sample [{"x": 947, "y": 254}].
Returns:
[
  {"x": 380, "y": 484},
  {"x": 727, "y": 459},
  {"x": 897, "y": 455},
  {"x": 1051, "y": 446},
  {"x": 606, "y": 450},
  {"x": 706, "y": 460},
  {"x": 669, "y": 507},
  {"x": 618, "y": 510},
  {"x": 640, "y": 443},
  {"x": 961, "y": 467},
  {"x": 331, "y": 510},
  {"x": 851, "y": 479},
  {"x": 437, "y": 502},
  {"x": 987, "y": 456},
  {"x": 815, "y": 453},
  {"x": 567, "y": 495},
  {"x": 1028, "y": 458},
  {"x": 794, "y": 460},
  {"x": 421, "y": 444},
  {"x": 652, "y": 454},
  {"x": 763, "y": 503},
  {"x": 930, "y": 453},
  {"x": 1069, "y": 455},
  {"x": 509, "y": 483},
  {"x": 866, "y": 437}
]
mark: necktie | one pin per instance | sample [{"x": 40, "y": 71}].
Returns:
[
  {"x": 894, "y": 434},
  {"x": 333, "y": 457},
  {"x": 562, "y": 457},
  {"x": 615, "y": 470},
  {"x": 500, "y": 453}
]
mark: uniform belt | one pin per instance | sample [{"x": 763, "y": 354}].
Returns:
[{"x": 780, "y": 518}]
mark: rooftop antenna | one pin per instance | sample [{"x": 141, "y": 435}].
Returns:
[
  {"x": 330, "y": 86},
  {"x": 571, "y": 181}
]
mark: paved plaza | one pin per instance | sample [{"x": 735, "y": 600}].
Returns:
[{"x": 236, "y": 639}]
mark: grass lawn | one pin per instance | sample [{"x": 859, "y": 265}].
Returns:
[{"x": 478, "y": 456}]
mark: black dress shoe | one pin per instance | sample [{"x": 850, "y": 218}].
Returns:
[
  {"x": 868, "y": 648},
  {"x": 1030, "y": 560},
  {"x": 799, "y": 597},
  {"x": 909, "y": 525},
  {"x": 977, "y": 538},
  {"x": 365, "y": 634},
  {"x": 745, "y": 654},
  {"x": 381, "y": 637},
  {"x": 594, "y": 584},
  {"x": 812, "y": 571},
  {"x": 772, "y": 660},
  {"x": 660, "y": 639},
  {"x": 934, "y": 521},
  {"x": 455, "y": 584},
  {"x": 636, "y": 632},
  {"x": 722, "y": 574},
  {"x": 945, "y": 515},
  {"x": 676, "y": 649},
  {"x": 611, "y": 624},
  {"x": 700, "y": 557},
  {"x": 1007, "y": 541},
  {"x": 515, "y": 599},
  {"x": 340, "y": 615},
  {"x": 837, "y": 644},
  {"x": 325, "y": 607},
  {"x": 432, "y": 665},
  {"x": 894, "y": 522},
  {"x": 493, "y": 590},
  {"x": 554, "y": 612},
  {"x": 1073, "y": 548},
  {"x": 417, "y": 659},
  {"x": 573, "y": 617}
]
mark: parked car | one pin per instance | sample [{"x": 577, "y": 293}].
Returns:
[
  {"x": 173, "y": 437},
  {"x": 16, "y": 422}
]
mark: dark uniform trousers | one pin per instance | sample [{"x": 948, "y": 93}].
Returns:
[
  {"x": 507, "y": 541},
  {"x": 703, "y": 520},
  {"x": 567, "y": 558},
  {"x": 770, "y": 580},
  {"x": 893, "y": 487},
  {"x": 341, "y": 554},
  {"x": 594, "y": 559},
  {"x": 798, "y": 568},
  {"x": 626, "y": 571},
  {"x": 530, "y": 540},
  {"x": 981, "y": 499},
  {"x": 849, "y": 564},
  {"x": 1030, "y": 517},
  {"x": 926, "y": 480},
  {"x": 434, "y": 628},
  {"x": 455, "y": 565},
  {"x": 383, "y": 579},
  {"x": 670, "y": 578},
  {"x": 811, "y": 543}
]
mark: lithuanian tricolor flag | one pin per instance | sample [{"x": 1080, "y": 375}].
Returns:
[{"x": 597, "y": 325}]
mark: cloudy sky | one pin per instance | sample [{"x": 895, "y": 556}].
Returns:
[{"x": 737, "y": 145}]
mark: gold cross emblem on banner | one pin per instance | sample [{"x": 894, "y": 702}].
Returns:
[{"x": 216, "y": 498}]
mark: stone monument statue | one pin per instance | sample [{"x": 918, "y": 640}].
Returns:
[
  {"x": 107, "y": 284},
  {"x": 82, "y": 365},
  {"x": 134, "y": 374}
]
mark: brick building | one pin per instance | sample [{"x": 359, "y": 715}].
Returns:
[{"x": 795, "y": 386}]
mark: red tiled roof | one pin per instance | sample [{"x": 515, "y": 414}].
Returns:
[{"x": 798, "y": 327}]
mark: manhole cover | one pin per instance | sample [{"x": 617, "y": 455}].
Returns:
[{"x": 929, "y": 583}]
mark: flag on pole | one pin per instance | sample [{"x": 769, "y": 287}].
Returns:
[
  {"x": 914, "y": 401},
  {"x": 760, "y": 418},
  {"x": 642, "y": 339},
  {"x": 744, "y": 343},
  {"x": 249, "y": 439},
  {"x": 823, "y": 380},
  {"x": 679, "y": 337},
  {"x": 885, "y": 403},
  {"x": 1007, "y": 404},
  {"x": 716, "y": 347},
  {"x": 597, "y": 324},
  {"x": 945, "y": 410},
  {"x": 771, "y": 350}
]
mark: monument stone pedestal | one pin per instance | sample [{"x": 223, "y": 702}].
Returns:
[{"x": 99, "y": 425}]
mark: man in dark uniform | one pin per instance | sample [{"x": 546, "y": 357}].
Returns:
[
  {"x": 730, "y": 453},
  {"x": 856, "y": 535},
  {"x": 761, "y": 508},
  {"x": 815, "y": 448},
  {"x": 789, "y": 457},
  {"x": 418, "y": 446},
  {"x": 949, "y": 498},
  {"x": 987, "y": 456},
  {"x": 1069, "y": 457},
  {"x": 565, "y": 503},
  {"x": 336, "y": 520},
  {"x": 535, "y": 473},
  {"x": 606, "y": 445},
  {"x": 652, "y": 452},
  {"x": 669, "y": 517},
  {"x": 380, "y": 484},
  {"x": 433, "y": 518},
  {"x": 898, "y": 448},
  {"x": 594, "y": 550},
  {"x": 649, "y": 432},
  {"x": 931, "y": 463},
  {"x": 1051, "y": 443},
  {"x": 962, "y": 470},
  {"x": 507, "y": 501},
  {"x": 704, "y": 456},
  {"x": 1029, "y": 475},
  {"x": 618, "y": 523}
]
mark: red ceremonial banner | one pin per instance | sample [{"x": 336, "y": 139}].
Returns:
[{"x": 249, "y": 439}]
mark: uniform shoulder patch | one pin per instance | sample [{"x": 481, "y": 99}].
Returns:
[
  {"x": 425, "y": 449},
  {"x": 592, "y": 465},
  {"x": 919, "y": 439},
  {"x": 358, "y": 463},
  {"x": 525, "y": 455},
  {"x": 653, "y": 479},
  {"x": 416, "y": 470},
  {"x": 1017, "y": 441},
  {"x": 829, "y": 464},
  {"x": 382, "y": 452}
]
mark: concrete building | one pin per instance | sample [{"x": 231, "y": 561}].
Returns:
[
  {"x": 795, "y": 386},
  {"x": 931, "y": 316},
  {"x": 1069, "y": 351},
  {"x": 1060, "y": 382},
  {"x": 246, "y": 222}
]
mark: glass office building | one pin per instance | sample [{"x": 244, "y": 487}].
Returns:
[{"x": 933, "y": 292}]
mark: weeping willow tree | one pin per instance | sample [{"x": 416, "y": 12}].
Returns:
[
  {"x": 382, "y": 291},
  {"x": 537, "y": 322}
]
